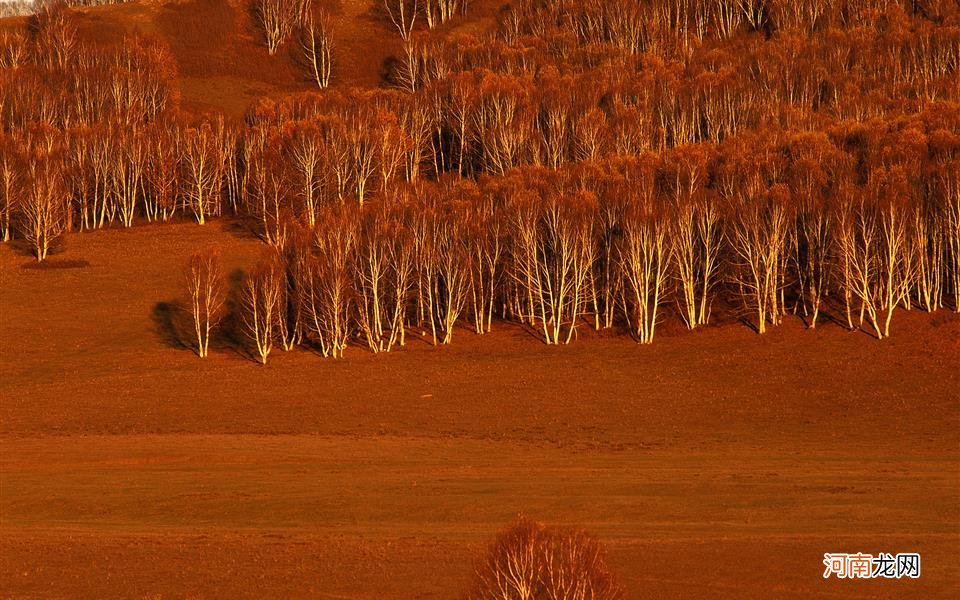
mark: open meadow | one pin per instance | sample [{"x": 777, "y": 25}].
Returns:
[{"x": 719, "y": 463}]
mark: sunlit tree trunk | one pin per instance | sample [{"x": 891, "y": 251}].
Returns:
[{"x": 206, "y": 294}]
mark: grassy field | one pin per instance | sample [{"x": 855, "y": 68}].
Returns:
[{"x": 714, "y": 463}]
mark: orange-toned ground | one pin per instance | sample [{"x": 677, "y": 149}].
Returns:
[
  {"x": 713, "y": 464},
  {"x": 222, "y": 63}
]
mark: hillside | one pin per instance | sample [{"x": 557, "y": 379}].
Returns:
[
  {"x": 222, "y": 63},
  {"x": 299, "y": 299}
]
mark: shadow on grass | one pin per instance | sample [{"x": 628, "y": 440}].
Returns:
[
  {"x": 169, "y": 319},
  {"x": 53, "y": 263}
]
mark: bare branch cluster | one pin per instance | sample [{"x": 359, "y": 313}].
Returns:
[{"x": 536, "y": 562}]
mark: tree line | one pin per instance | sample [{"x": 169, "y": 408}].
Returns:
[{"x": 583, "y": 164}]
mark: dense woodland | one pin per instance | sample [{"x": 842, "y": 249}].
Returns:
[{"x": 582, "y": 164}]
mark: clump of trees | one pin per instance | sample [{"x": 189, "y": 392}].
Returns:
[
  {"x": 308, "y": 22},
  {"x": 604, "y": 164},
  {"x": 532, "y": 561}
]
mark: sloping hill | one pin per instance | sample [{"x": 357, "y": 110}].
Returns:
[{"x": 224, "y": 66}]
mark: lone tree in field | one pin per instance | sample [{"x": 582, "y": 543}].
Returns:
[
  {"x": 532, "y": 562},
  {"x": 207, "y": 294},
  {"x": 315, "y": 37}
]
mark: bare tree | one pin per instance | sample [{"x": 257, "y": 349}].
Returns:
[
  {"x": 206, "y": 290},
  {"x": 261, "y": 303},
  {"x": 644, "y": 253},
  {"x": 384, "y": 265},
  {"x": 895, "y": 268},
  {"x": 695, "y": 237},
  {"x": 858, "y": 243},
  {"x": 553, "y": 257},
  {"x": 275, "y": 19},
  {"x": 129, "y": 162},
  {"x": 327, "y": 295},
  {"x": 44, "y": 207},
  {"x": 403, "y": 15},
  {"x": 532, "y": 561},
  {"x": 306, "y": 152},
  {"x": 438, "y": 12},
  {"x": 13, "y": 49},
  {"x": 486, "y": 233},
  {"x": 316, "y": 44},
  {"x": 55, "y": 35},
  {"x": 200, "y": 166},
  {"x": 758, "y": 236},
  {"x": 453, "y": 269},
  {"x": 162, "y": 181},
  {"x": 951, "y": 226},
  {"x": 10, "y": 175}
]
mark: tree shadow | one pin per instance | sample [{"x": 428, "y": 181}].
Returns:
[
  {"x": 168, "y": 320},
  {"x": 58, "y": 245},
  {"x": 229, "y": 334},
  {"x": 55, "y": 264},
  {"x": 242, "y": 228}
]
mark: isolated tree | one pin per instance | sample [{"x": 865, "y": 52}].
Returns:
[
  {"x": 316, "y": 44},
  {"x": 206, "y": 297},
  {"x": 534, "y": 562}
]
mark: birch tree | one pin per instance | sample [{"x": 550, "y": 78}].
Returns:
[
  {"x": 206, "y": 295},
  {"x": 44, "y": 217},
  {"x": 315, "y": 37},
  {"x": 200, "y": 166},
  {"x": 261, "y": 302},
  {"x": 643, "y": 254}
]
